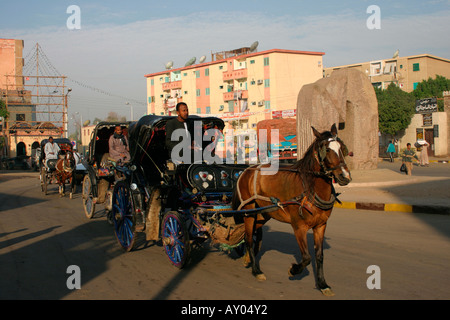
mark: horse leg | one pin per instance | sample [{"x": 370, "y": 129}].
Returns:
[
  {"x": 250, "y": 257},
  {"x": 319, "y": 233},
  {"x": 300, "y": 234}
]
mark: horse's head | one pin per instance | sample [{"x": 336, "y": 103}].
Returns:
[
  {"x": 330, "y": 153},
  {"x": 69, "y": 160}
]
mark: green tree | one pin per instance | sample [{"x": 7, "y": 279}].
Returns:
[
  {"x": 432, "y": 88},
  {"x": 3, "y": 112},
  {"x": 395, "y": 109}
]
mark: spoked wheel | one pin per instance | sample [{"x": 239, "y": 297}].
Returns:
[
  {"x": 44, "y": 182},
  {"x": 175, "y": 239},
  {"x": 88, "y": 197},
  {"x": 123, "y": 215},
  {"x": 41, "y": 178}
]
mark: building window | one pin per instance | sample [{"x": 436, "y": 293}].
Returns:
[
  {"x": 266, "y": 61},
  {"x": 207, "y": 72},
  {"x": 252, "y": 61},
  {"x": 167, "y": 79},
  {"x": 185, "y": 92},
  {"x": 20, "y": 117},
  {"x": 185, "y": 74},
  {"x": 231, "y": 106},
  {"x": 220, "y": 67},
  {"x": 267, "y": 83},
  {"x": 197, "y": 74},
  {"x": 415, "y": 84},
  {"x": 207, "y": 91},
  {"x": 416, "y": 67},
  {"x": 198, "y": 92},
  {"x": 267, "y": 104},
  {"x": 208, "y": 110},
  {"x": 152, "y": 82},
  {"x": 199, "y": 110}
]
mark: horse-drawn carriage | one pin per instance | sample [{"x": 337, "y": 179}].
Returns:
[
  {"x": 186, "y": 204},
  {"x": 58, "y": 171},
  {"x": 101, "y": 173},
  {"x": 180, "y": 204}
]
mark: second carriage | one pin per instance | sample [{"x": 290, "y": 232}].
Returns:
[
  {"x": 101, "y": 174},
  {"x": 181, "y": 205}
]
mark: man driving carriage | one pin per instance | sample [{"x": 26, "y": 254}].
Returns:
[
  {"x": 185, "y": 131},
  {"x": 51, "y": 151}
]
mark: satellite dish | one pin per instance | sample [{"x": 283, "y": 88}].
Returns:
[
  {"x": 169, "y": 65},
  {"x": 254, "y": 46},
  {"x": 395, "y": 54},
  {"x": 190, "y": 62},
  {"x": 202, "y": 59}
]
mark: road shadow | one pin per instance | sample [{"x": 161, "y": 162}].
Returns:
[
  {"x": 24, "y": 201},
  {"x": 39, "y": 270}
]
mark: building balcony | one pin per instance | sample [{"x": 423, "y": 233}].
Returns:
[
  {"x": 171, "y": 85},
  {"x": 235, "y": 95},
  {"x": 235, "y": 74}
]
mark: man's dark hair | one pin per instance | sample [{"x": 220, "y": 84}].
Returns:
[
  {"x": 408, "y": 144},
  {"x": 179, "y": 104}
]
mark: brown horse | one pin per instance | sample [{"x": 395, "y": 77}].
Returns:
[
  {"x": 65, "y": 171},
  {"x": 304, "y": 197}
]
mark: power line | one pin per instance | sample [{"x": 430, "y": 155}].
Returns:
[{"x": 84, "y": 85}]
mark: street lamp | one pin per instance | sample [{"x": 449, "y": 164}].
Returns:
[
  {"x": 65, "y": 113},
  {"x": 81, "y": 125},
  {"x": 131, "y": 109}
]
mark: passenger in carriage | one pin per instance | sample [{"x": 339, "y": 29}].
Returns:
[
  {"x": 119, "y": 149},
  {"x": 51, "y": 150}
]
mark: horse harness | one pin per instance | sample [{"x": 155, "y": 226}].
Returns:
[{"x": 301, "y": 200}]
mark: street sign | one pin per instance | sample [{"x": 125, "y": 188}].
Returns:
[{"x": 427, "y": 105}]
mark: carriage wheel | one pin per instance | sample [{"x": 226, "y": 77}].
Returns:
[
  {"x": 175, "y": 239},
  {"x": 41, "y": 178},
  {"x": 87, "y": 197},
  {"x": 44, "y": 182},
  {"x": 123, "y": 215}
]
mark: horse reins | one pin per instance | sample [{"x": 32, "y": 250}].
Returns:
[{"x": 301, "y": 199}]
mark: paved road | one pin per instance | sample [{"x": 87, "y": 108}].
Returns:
[{"x": 41, "y": 236}]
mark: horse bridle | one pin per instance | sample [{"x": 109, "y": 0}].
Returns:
[
  {"x": 65, "y": 168},
  {"x": 320, "y": 157}
]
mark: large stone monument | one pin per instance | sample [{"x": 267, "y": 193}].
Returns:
[{"x": 346, "y": 98}]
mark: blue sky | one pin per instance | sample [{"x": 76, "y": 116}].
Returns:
[{"x": 121, "y": 41}]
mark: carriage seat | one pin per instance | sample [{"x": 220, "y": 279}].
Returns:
[{"x": 51, "y": 164}]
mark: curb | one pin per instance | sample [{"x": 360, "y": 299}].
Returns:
[{"x": 396, "y": 207}]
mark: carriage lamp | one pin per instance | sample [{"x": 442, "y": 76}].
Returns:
[
  {"x": 133, "y": 167},
  {"x": 133, "y": 186}
]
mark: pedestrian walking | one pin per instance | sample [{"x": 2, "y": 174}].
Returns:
[
  {"x": 407, "y": 156},
  {"x": 424, "y": 155},
  {"x": 390, "y": 151}
]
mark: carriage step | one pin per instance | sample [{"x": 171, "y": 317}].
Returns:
[{"x": 140, "y": 227}]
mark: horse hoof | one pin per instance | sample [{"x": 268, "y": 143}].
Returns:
[
  {"x": 261, "y": 277},
  {"x": 327, "y": 292},
  {"x": 71, "y": 196},
  {"x": 294, "y": 269}
]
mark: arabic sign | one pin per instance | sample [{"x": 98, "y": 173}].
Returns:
[
  {"x": 426, "y": 105},
  {"x": 284, "y": 114}
]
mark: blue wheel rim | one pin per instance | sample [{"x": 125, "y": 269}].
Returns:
[
  {"x": 176, "y": 251},
  {"x": 122, "y": 212}
]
